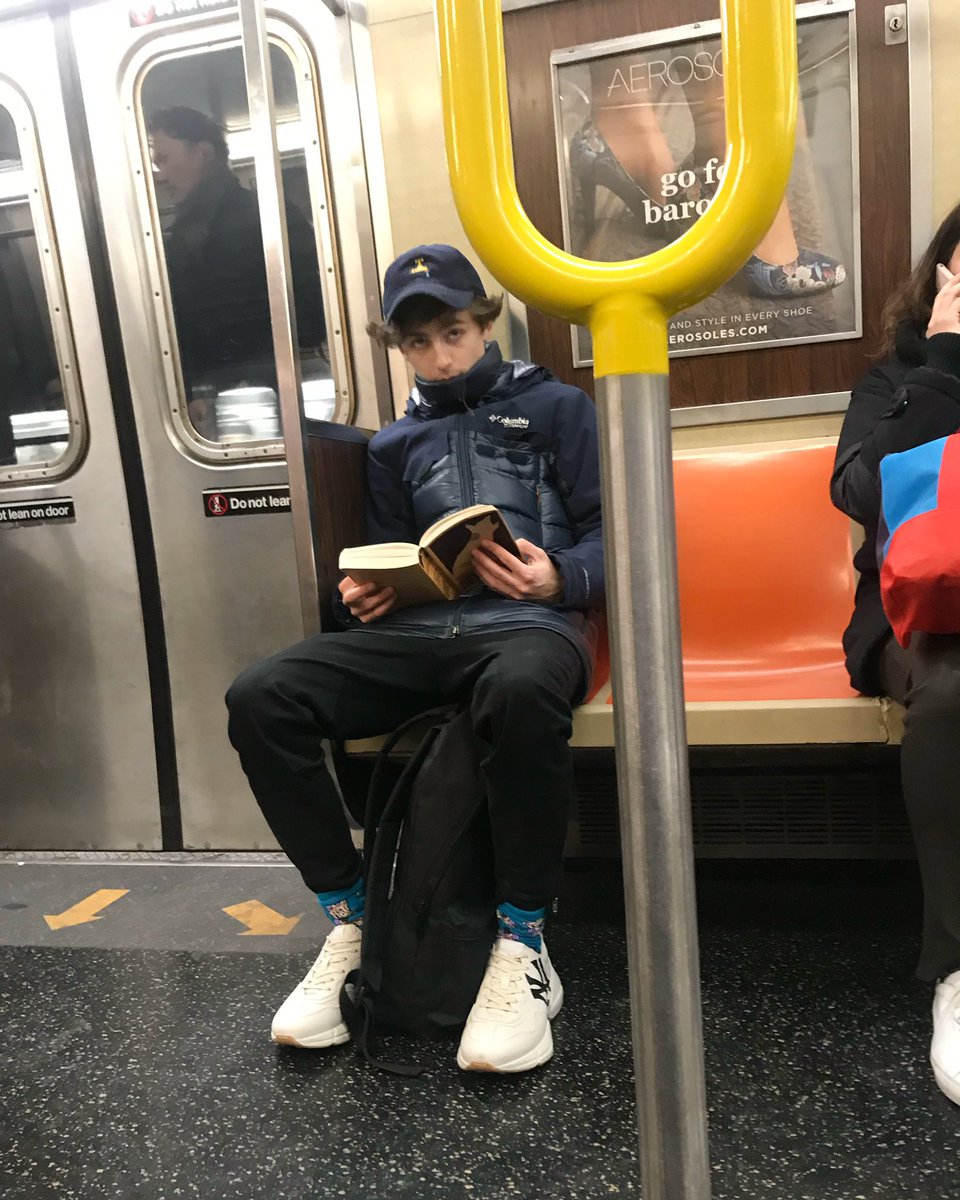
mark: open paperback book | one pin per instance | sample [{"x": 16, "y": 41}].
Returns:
[{"x": 440, "y": 566}]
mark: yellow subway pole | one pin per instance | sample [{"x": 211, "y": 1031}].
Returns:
[{"x": 627, "y": 306}]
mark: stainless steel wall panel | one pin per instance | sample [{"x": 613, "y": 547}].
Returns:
[
  {"x": 77, "y": 764},
  {"x": 229, "y": 586},
  {"x": 279, "y": 276}
]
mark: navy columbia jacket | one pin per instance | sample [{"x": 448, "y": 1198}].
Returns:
[{"x": 527, "y": 444}]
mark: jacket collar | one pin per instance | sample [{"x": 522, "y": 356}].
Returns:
[
  {"x": 197, "y": 210},
  {"x": 489, "y": 379},
  {"x": 910, "y": 344}
]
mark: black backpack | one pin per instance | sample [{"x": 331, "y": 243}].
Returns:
[{"x": 430, "y": 910}]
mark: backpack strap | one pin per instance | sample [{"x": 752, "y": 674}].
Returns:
[
  {"x": 383, "y": 822},
  {"x": 357, "y": 1013},
  {"x": 381, "y": 836},
  {"x": 379, "y": 792}
]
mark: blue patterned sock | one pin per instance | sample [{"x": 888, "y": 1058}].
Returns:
[
  {"x": 521, "y": 925},
  {"x": 344, "y": 907}
]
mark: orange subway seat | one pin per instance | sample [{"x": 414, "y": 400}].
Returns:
[{"x": 766, "y": 578}]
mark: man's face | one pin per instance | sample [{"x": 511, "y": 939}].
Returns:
[
  {"x": 445, "y": 347},
  {"x": 180, "y": 165}
]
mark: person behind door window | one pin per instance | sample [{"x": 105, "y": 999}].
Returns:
[
  {"x": 215, "y": 264},
  {"x": 11, "y": 373},
  {"x": 911, "y": 398},
  {"x": 8, "y": 450},
  {"x": 29, "y": 376},
  {"x": 519, "y": 650}
]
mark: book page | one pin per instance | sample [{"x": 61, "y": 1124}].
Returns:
[
  {"x": 409, "y": 581},
  {"x": 376, "y": 553},
  {"x": 452, "y": 545},
  {"x": 455, "y": 518},
  {"x": 392, "y": 564}
]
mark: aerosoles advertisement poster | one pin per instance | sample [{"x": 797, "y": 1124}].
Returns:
[{"x": 641, "y": 144}]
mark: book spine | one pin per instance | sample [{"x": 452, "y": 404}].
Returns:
[{"x": 438, "y": 574}]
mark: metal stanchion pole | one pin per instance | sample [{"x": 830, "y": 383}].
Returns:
[
  {"x": 273, "y": 221},
  {"x": 627, "y": 306},
  {"x": 653, "y": 782}
]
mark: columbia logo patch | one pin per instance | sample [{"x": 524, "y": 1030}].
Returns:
[{"x": 510, "y": 422}]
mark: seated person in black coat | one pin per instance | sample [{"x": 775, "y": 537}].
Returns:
[
  {"x": 215, "y": 261},
  {"x": 912, "y": 398},
  {"x": 29, "y": 376}
]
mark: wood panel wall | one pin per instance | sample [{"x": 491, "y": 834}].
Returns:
[
  {"x": 530, "y": 37},
  {"x": 336, "y": 463}
]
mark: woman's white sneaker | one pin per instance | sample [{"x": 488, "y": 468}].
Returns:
[
  {"x": 945, "y": 1045},
  {"x": 310, "y": 1015},
  {"x": 508, "y": 1028}
]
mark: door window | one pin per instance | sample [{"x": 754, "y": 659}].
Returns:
[
  {"x": 40, "y": 411},
  {"x": 196, "y": 120}
]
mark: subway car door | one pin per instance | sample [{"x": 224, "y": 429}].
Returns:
[
  {"x": 77, "y": 762},
  {"x": 169, "y": 127}
]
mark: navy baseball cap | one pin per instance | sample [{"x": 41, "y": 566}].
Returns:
[{"x": 438, "y": 271}]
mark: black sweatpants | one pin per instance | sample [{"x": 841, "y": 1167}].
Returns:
[
  {"x": 926, "y": 678},
  {"x": 520, "y": 685}
]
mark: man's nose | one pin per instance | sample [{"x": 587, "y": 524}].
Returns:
[{"x": 441, "y": 356}]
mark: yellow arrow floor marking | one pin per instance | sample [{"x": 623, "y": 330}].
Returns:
[
  {"x": 260, "y": 919},
  {"x": 85, "y": 910}
]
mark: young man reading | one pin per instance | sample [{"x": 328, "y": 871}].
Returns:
[{"x": 518, "y": 649}]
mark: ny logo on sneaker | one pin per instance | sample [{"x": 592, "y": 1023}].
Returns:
[{"x": 539, "y": 985}]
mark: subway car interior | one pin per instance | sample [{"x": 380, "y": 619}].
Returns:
[{"x": 198, "y": 201}]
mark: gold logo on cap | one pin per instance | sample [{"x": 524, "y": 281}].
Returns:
[{"x": 420, "y": 268}]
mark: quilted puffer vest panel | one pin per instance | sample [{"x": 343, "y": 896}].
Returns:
[{"x": 513, "y": 476}]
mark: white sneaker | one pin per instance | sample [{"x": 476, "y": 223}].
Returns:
[
  {"x": 945, "y": 1045},
  {"x": 310, "y": 1015},
  {"x": 508, "y": 1028}
]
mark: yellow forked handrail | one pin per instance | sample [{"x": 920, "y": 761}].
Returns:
[{"x": 625, "y": 304}]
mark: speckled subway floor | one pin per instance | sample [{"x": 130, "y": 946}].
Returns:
[{"x": 146, "y": 1071}]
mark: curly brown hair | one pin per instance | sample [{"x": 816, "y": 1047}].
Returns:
[
  {"x": 421, "y": 310},
  {"x": 913, "y": 299}
]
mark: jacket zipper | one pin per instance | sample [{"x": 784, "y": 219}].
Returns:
[
  {"x": 454, "y": 629},
  {"x": 466, "y": 471},
  {"x": 467, "y": 498}
]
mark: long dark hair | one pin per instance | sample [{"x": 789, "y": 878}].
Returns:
[{"x": 913, "y": 299}]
